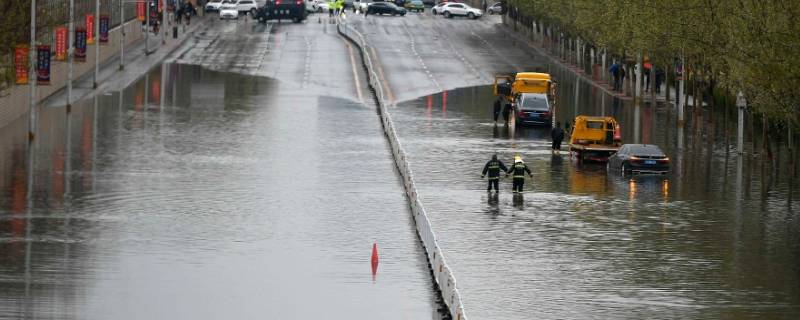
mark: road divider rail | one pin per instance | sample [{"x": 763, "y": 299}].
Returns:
[{"x": 442, "y": 274}]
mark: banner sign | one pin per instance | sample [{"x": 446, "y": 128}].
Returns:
[
  {"x": 104, "y": 24},
  {"x": 21, "y": 64},
  {"x": 90, "y": 29},
  {"x": 43, "y": 64},
  {"x": 140, "y": 10},
  {"x": 80, "y": 44},
  {"x": 61, "y": 43}
]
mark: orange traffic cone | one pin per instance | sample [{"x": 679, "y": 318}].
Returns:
[{"x": 374, "y": 260}]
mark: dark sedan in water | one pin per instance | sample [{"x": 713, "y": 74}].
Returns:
[
  {"x": 639, "y": 158},
  {"x": 534, "y": 109}
]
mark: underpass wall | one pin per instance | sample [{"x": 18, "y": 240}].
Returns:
[{"x": 442, "y": 274}]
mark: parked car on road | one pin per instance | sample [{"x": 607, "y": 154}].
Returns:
[
  {"x": 294, "y": 10},
  {"x": 321, "y": 6},
  {"x": 415, "y": 5},
  {"x": 214, "y": 5},
  {"x": 228, "y": 10},
  {"x": 437, "y": 9},
  {"x": 245, "y": 6},
  {"x": 639, "y": 158},
  {"x": 450, "y": 10},
  {"x": 385, "y": 8},
  {"x": 496, "y": 8}
]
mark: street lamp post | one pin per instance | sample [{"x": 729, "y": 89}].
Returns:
[
  {"x": 741, "y": 103},
  {"x": 96, "y": 42},
  {"x": 32, "y": 76}
]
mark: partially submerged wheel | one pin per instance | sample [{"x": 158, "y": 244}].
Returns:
[{"x": 471, "y": 15}]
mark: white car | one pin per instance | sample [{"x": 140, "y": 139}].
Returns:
[
  {"x": 213, "y": 5},
  {"x": 496, "y": 8},
  {"x": 362, "y": 5},
  {"x": 459, "y": 9},
  {"x": 321, "y": 6},
  {"x": 245, "y": 6},
  {"x": 229, "y": 11},
  {"x": 437, "y": 9}
]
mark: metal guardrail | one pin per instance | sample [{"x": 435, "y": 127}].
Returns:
[{"x": 442, "y": 273}]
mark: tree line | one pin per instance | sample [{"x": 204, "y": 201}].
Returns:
[{"x": 752, "y": 46}]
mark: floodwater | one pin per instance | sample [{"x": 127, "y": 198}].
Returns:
[
  {"x": 197, "y": 194},
  {"x": 715, "y": 239}
]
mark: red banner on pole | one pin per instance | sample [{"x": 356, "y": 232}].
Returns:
[
  {"x": 80, "y": 44},
  {"x": 90, "y": 29},
  {"x": 21, "y": 63},
  {"x": 105, "y": 23},
  {"x": 141, "y": 10},
  {"x": 43, "y": 64},
  {"x": 61, "y": 43}
]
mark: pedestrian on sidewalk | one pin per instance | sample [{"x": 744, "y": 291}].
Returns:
[
  {"x": 518, "y": 169},
  {"x": 621, "y": 77},
  {"x": 493, "y": 167},
  {"x": 497, "y": 104},
  {"x": 615, "y": 75},
  {"x": 507, "y": 112},
  {"x": 557, "y": 134},
  {"x": 659, "y": 79}
]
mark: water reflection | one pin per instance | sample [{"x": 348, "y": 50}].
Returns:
[{"x": 184, "y": 187}]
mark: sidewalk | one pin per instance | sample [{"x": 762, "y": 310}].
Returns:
[
  {"x": 590, "y": 78},
  {"x": 136, "y": 64},
  {"x": 14, "y": 102}
]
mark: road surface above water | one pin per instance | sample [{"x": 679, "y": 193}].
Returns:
[
  {"x": 247, "y": 180},
  {"x": 715, "y": 239}
]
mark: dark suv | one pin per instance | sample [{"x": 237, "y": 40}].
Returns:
[{"x": 282, "y": 9}]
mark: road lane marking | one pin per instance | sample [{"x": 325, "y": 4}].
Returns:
[
  {"x": 355, "y": 73},
  {"x": 384, "y": 83}
]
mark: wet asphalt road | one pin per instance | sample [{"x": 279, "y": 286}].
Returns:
[
  {"x": 246, "y": 180},
  {"x": 714, "y": 239},
  {"x": 258, "y": 190}
]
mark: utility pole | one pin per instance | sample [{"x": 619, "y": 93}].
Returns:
[
  {"x": 122, "y": 35},
  {"x": 741, "y": 103},
  {"x": 96, "y": 42},
  {"x": 32, "y": 77},
  {"x": 70, "y": 52},
  {"x": 147, "y": 29}
]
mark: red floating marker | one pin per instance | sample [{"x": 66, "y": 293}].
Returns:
[{"x": 374, "y": 260}]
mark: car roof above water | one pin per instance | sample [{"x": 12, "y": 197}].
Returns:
[{"x": 644, "y": 149}]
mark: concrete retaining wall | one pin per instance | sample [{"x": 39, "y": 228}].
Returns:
[
  {"x": 14, "y": 101},
  {"x": 441, "y": 271}
]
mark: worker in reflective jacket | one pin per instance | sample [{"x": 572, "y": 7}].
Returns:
[
  {"x": 493, "y": 167},
  {"x": 519, "y": 168}
]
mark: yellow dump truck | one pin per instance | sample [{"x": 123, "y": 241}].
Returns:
[
  {"x": 595, "y": 138},
  {"x": 532, "y": 95}
]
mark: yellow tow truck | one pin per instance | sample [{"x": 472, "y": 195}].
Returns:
[
  {"x": 532, "y": 94},
  {"x": 595, "y": 138}
]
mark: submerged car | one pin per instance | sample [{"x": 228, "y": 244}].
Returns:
[
  {"x": 534, "y": 108},
  {"x": 639, "y": 158}
]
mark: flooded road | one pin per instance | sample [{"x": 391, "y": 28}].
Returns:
[
  {"x": 200, "y": 194},
  {"x": 718, "y": 238},
  {"x": 581, "y": 243}
]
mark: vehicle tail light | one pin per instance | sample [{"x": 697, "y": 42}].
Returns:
[
  {"x": 546, "y": 114},
  {"x": 665, "y": 160},
  {"x": 299, "y": 2},
  {"x": 277, "y": 2}
]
